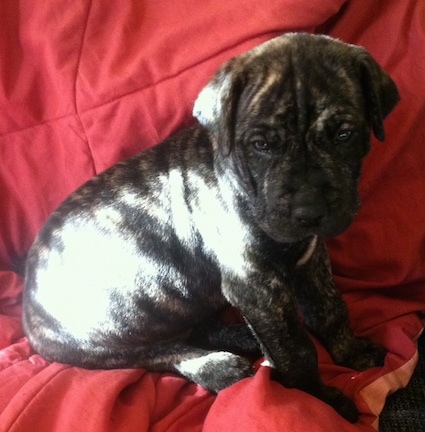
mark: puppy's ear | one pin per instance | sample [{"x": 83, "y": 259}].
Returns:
[
  {"x": 216, "y": 106},
  {"x": 380, "y": 91}
]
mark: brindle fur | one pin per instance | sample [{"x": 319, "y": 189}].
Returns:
[{"x": 133, "y": 269}]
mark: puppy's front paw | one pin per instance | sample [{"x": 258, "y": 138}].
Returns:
[{"x": 363, "y": 354}]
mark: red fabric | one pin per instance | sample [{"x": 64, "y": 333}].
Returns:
[{"x": 84, "y": 84}]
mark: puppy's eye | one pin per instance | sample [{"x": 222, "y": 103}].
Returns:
[
  {"x": 260, "y": 144},
  {"x": 344, "y": 134}
]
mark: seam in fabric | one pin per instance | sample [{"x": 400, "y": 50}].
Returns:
[{"x": 77, "y": 68}]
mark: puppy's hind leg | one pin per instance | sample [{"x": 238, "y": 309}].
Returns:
[
  {"x": 236, "y": 338},
  {"x": 213, "y": 370}
]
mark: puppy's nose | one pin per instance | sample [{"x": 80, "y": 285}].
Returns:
[{"x": 309, "y": 216}]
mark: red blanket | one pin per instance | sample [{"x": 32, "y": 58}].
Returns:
[{"x": 85, "y": 83}]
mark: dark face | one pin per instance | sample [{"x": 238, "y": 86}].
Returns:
[
  {"x": 303, "y": 183},
  {"x": 291, "y": 121},
  {"x": 301, "y": 144}
]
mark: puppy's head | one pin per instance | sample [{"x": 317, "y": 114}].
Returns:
[{"x": 290, "y": 123}]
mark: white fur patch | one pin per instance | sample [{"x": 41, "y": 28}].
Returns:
[
  {"x": 207, "y": 105},
  {"x": 74, "y": 285},
  {"x": 182, "y": 218},
  {"x": 209, "y": 360}
]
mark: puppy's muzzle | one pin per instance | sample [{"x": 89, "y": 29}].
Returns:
[
  {"x": 309, "y": 201},
  {"x": 320, "y": 211},
  {"x": 309, "y": 209}
]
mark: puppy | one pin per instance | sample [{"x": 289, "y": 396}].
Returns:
[{"x": 133, "y": 269}]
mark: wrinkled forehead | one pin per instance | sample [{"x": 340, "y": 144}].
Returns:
[{"x": 283, "y": 79}]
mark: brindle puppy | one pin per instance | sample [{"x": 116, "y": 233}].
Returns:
[{"x": 132, "y": 268}]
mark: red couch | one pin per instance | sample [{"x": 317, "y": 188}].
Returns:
[{"x": 85, "y": 83}]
